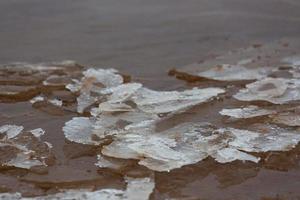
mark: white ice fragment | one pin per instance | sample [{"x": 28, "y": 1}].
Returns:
[
  {"x": 293, "y": 60},
  {"x": 79, "y": 130},
  {"x": 103, "y": 162},
  {"x": 235, "y": 73},
  {"x": 11, "y": 131},
  {"x": 137, "y": 189},
  {"x": 246, "y": 112},
  {"x": 75, "y": 86},
  {"x": 163, "y": 151},
  {"x": 229, "y": 154},
  {"x": 122, "y": 92},
  {"x": 37, "y": 132},
  {"x": 107, "y": 77},
  {"x": 272, "y": 138},
  {"x": 56, "y": 102},
  {"x": 94, "y": 81},
  {"x": 37, "y": 99},
  {"x": 84, "y": 100},
  {"x": 274, "y": 90},
  {"x": 172, "y": 101}
]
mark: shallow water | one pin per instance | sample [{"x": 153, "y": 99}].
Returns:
[{"x": 143, "y": 39}]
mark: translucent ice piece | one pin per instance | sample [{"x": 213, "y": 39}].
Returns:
[
  {"x": 229, "y": 154},
  {"x": 271, "y": 138},
  {"x": 108, "y": 77},
  {"x": 246, "y": 112},
  {"x": 11, "y": 131},
  {"x": 274, "y": 90},
  {"x": 235, "y": 73},
  {"x": 293, "y": 60},
  {"x": 38, "y": 132},
  {"x": 172, "y": 101},
  {"x": 79, "y": 130},
  {"x": 163, "y": 151},
  {"x": 37, "y": 99}
]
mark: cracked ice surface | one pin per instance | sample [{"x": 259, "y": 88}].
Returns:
[
  {"x": 273, "y": 90},
  {"x": 137, "y": 189},
  {"x": 24, "y": 149}
]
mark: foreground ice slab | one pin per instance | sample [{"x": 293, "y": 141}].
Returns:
[
  {"x": 273, "y": 90},
  {"x": 137, "y": 189},
  {"x": 190, "y": 143},
  {"x": 23, "y": 149}
]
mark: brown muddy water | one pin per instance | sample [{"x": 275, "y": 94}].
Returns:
[{"x": 144, "y": 39}]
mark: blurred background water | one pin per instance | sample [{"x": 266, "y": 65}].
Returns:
[{"x": 140, "y": 37}]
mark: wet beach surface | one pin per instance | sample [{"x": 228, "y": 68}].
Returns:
[{"x": 145, "y": 39}]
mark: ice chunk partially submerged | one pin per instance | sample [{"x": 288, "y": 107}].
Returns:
[
  {"x": 246, "y": 112},
  {"x": 23, "y": 149},
  {"x": 274, "y": 90},
  {"x": 137, "y": 189},
  {"x": 235, "y": 73}
]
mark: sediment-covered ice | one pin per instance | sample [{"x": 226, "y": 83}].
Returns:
[
  {"x": 274, "y": 90},
  {"x": 23, "y": 149},
  {"x": 246, "y": 112},
  {"x": 137, "y": 189}
]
